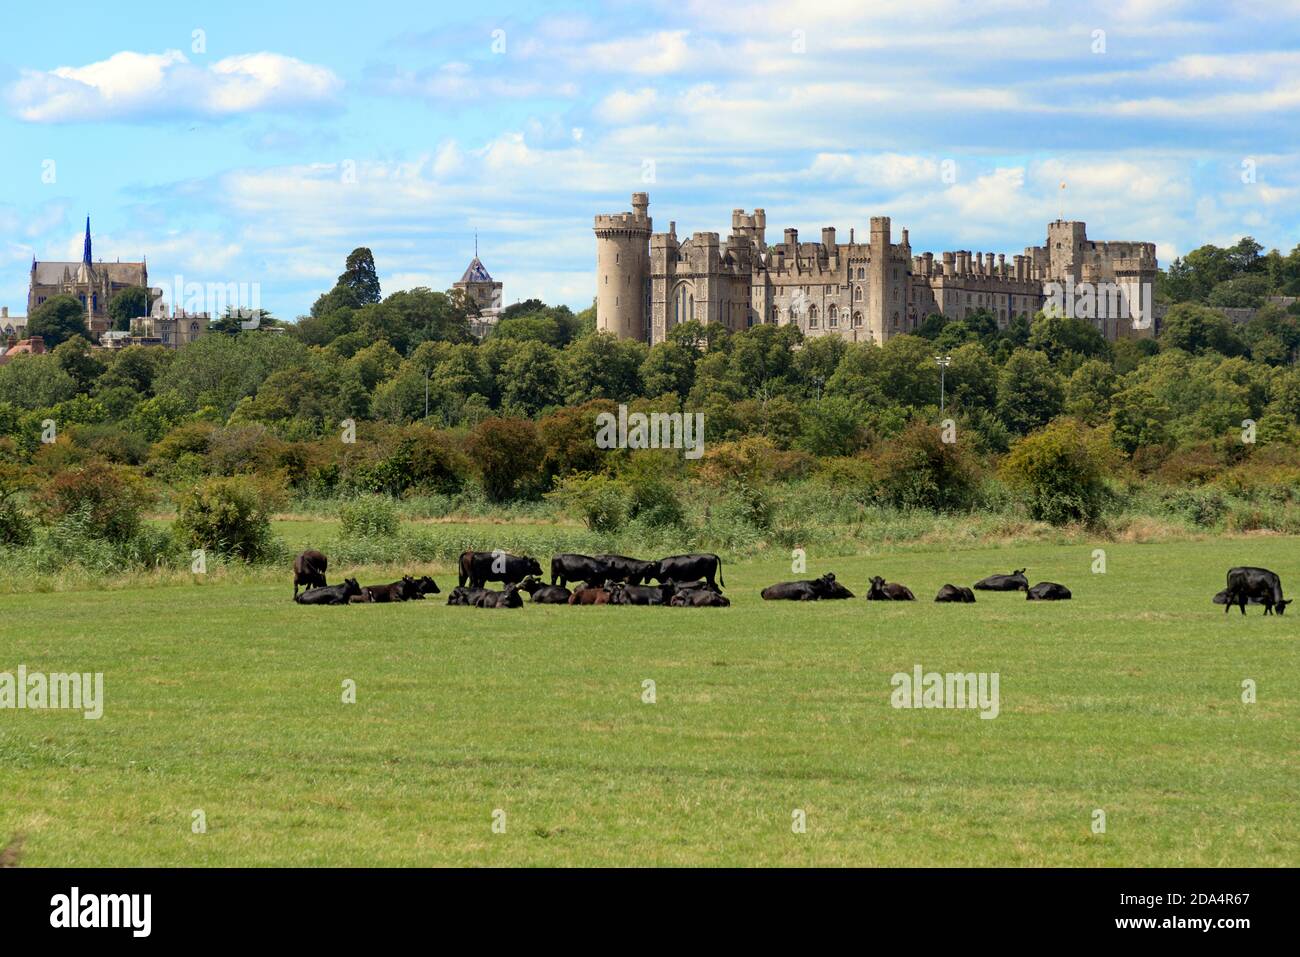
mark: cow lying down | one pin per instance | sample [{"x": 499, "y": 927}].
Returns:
[
  {"x": 1048, "y": 591},
  {"x": 813, "y": 589},
  {"x": 955, "y": 593}
]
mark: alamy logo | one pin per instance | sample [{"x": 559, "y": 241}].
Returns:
[
  {"x": 922, "y": 689},
  {"x": 1104, "y": 300},
  {"x": 658, "y": 430},
  {"x": 103, "y": 910},
  {"x": 57, "y": 691}
]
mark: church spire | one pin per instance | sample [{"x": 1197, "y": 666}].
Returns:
[{"x": 85, "y": 256}]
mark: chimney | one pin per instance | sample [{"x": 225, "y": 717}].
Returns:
[
  {"x": 828, "y": 238},
  {"x": 4, "y": 312}
]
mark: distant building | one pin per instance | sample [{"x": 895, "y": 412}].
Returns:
[
  {"x": 483, "y": 292},
  {"x": 93, "y": 284},
  {"x": 11, "y": 326},
  {"x": 34, "y": 346},
  {"x": 159, "y": 329}
]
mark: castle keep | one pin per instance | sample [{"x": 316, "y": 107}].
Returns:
[{"x": 647, "y": 282}]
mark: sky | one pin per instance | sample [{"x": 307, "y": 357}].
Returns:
[{"x": 259, "y": 143}]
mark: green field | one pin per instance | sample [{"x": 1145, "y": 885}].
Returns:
[{"x": 226, "y": 697}]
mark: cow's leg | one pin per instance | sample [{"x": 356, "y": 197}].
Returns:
[
  {"x": 1242, "y": 602},
  {"x": 1227, "y": 605}
]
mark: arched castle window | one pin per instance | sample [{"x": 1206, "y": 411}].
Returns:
[
  {"x": 812, "y": 317},
  {"x": 857, "y": 318},
  {"x": 832, "y": 316},
  {"x": 857, "y": 293},
  {"x": 895, "y": 320},
  {"x": 862, "y": 273}
]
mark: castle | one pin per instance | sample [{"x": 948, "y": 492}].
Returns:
[
  {"x": 93, "y": 284},
  {"x": 647, "y": 282}
]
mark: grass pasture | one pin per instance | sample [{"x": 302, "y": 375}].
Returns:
[{"x": 226, "y": 697}]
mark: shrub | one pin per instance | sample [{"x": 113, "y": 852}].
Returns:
[
  {"x": 368, "y": 516},
  {"x": 229, "y": 516},
  {"x": 507, "y": 456},
  {"x": 1058, "y": 472},
  {"x": 109, "y": 499},
  {"x": 601, "y": 502},
  {"x": 917, "y": 469}
]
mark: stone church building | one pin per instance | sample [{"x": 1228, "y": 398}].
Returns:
[
  {"x": 93, "y": 284},
  {"x": 863, "y": 291}
]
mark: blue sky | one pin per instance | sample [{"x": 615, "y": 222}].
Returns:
[{"x": 259, "y": 143}]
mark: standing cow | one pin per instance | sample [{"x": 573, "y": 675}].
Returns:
[
  {"x": 1255, "y": 585},
  {"x": 688, "y": 568},
  {"x": 309, "y": 571},
  {"x": 479, "y": 568},
  {"x": 570, "y": 567}
]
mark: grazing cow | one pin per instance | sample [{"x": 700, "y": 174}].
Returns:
[
  {"x": 622, "y": 594},
  {"x": 956, "y": 593},
  {"x": 403, "y": 590},
  {"x": 309, "y": 570},
  {"x": 814, "y": 589},
  {"x": 882, "y": 590},
  {"x": 425, "y": 586},
  {"x": 700, "y": 598},
  {"x": 688, "y": 568},
  {"x": 544, "y": 594},
  {"x": 479, "y": 568},
  {"x": 501, "y": 599},
  {"x": 590, "y": 595},
  {"x": 460, "y": 595},
  {"x": 1247, "y": 583},
  {"x": 620, "y": 568},
  {"x": 578, "y": 568},
  {"x": 1048, "y": 591},
  {"x": 1016, "y": 581},
  {"x": 330, "y": 594}
]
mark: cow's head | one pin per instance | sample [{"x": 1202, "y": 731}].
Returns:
[
  {"x": 530, "y": 584},
  {"x": 427, "y": 586},
  {"x": 1280, "y": 607},
  {"x": 532, "y": 567},
  {"x": 1018, "y": 571}
]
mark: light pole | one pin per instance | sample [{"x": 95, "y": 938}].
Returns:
[{"x": 943, "y": 362}]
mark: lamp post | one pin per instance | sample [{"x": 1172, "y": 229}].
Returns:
[{"x": 943, "y": 362}]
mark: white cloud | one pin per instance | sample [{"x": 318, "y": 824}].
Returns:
[{"x": 141, "y": 86}]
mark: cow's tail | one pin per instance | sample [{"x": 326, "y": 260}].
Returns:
[
  {"x": 720, "y": 581},
  {"x": 462, "y": 570},
  {"x": 554, "y": 569}
]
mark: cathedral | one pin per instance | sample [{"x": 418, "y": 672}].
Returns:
[
  {"x": 93, "y": 284},
  {"x": 863, "y": 291}
]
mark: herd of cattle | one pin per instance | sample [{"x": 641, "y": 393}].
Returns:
[{"x": 692, "y": 581}]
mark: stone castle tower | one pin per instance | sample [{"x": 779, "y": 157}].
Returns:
[{"x": 623, "y": 270}]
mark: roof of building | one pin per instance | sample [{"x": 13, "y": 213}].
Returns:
[
  {"x": 476, "y": 272},
  {"x": 52, "y": 273}
]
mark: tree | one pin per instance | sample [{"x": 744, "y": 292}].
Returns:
[
  {"x": 1058, "y": 473},
  {"x": 506, "y": 455},
  {"x": 1196, "y": 329},
  {"x": 602, "y": 366},
  {"x": 531, "y": 378},
  {"x": 669, "y": 367},
  {"x": 130, "y": 303},
  {"x": 57, "y": 319},
  {"x": 1029, "y": 391},
  {"x": 35, "y": 382},
  {"x": 1088, "y": 391},
  {"x": 1059, "y": 335},
  {"x": 360, "y": 277}
]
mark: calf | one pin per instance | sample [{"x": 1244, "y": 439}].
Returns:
[
  {"x": 1247, "y": 583},
  {"x": 620, "y": 568},
  {"x": 578, "y": 568},
  {"x": 309, "y": 571},
  {"x": 330, "y": 594},
  {"x": 1048, "y": 591},
  {"x": 590, "y": 595},
  {"x": 689, "y": 567},
  {"x": 460, "y": 595},
  {"x": 1016, "y": 581},
  {"x": 501, "y": 599},
  {"x": 403, "y": 590},
  {"x": 542, "y": 594},
  {"x": 1221, "y": 598},
  {"x": 882, "y": 590},
  {"x": 479, "y": 568},
  {"x": 956, "y": 593}
]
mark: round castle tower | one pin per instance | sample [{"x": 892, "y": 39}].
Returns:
[{"x": 623, "y": 270}]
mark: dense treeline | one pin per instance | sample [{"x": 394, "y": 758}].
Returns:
[{"x": 1046, "y": 413}]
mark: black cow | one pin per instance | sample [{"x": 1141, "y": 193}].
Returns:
[
  {"x": 699, "y": 598},
  {"x": 543, "y": 594},
  {"x": 578, "y": 568},
  {"x": 479, "y": 568},
  {"x": 460, "y": 595},
  {"x": 501, "y": 599},
  {"x": 1048, "y": 591},
  {"x": 1246, "y": 583},
  {"x": 813, "y": 589},
  {"x": 621, "y": 594},
  {"x": 425, "y": 586},
  {"x": 957, "y": 593},
  {"x": 620, "y": 568},
  {"x": 1016, "y": 581},
  {"x": 675, "y": 587},
  {"x": 309, "y": 570},
  {"x": 403, "y": 590},
  {"x": 687, "y": 568},
  {"x": 330, "y": 594},
  {"x": 882, "y": 590}
]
